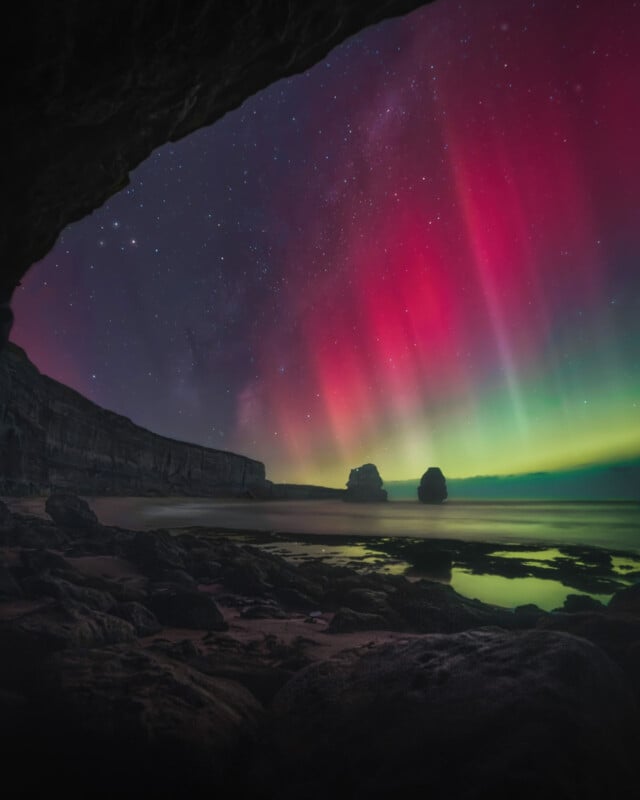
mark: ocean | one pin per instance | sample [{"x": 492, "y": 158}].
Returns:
[{"x": 614, "y": 525}]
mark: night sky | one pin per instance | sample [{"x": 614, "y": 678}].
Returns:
[{"x": 425, "y": 250}]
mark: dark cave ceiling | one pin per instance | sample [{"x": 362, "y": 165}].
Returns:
[{"x": 94, "y": 88}]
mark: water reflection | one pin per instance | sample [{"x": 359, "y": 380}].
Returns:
[{"x": 513, "y": 592}]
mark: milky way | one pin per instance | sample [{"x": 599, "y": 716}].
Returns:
[{"x": 425, "y": 250}]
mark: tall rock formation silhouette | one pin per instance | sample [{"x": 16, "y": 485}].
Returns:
[
  {"x": 365, "y": 485},
  {"x": 433, "y": 486}
]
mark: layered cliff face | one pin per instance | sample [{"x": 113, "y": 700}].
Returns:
[{"x": 51, "y": 437}]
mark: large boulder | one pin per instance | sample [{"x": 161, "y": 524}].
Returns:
[
  {"x": 6, "y": 517},
  {"x": 144, "y": 621},
  {"x": 125, "y": 722},
  {"x": 154, "y": 552},
  {"x": 480, "y": 714},
  {"x": 346, "y": 620},
  {"x": 433, "y": 486},
  {"x": 577, "y": 603},
  {"x": 365, "y": 485},
  {"x": 177, "y": 607},
  {"x": 618, "y": 634},
  {"x": 70, "y": 511},
  {"x": 28, "y": 638},
  {"x": 9, "y": 587},
  {"x": 47, "y": 585},
  {"x": 626, "y": 601}
]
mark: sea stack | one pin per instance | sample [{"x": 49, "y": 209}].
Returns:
[
  {"x": 365, "y": 485},
  {"x": 433, "y": 486}
]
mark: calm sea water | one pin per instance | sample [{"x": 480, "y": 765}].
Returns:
[
  {"x": 613, "y": 526},
  {"x": 610, "y": 525}
]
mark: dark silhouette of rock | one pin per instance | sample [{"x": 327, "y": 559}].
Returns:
[
  {"x": 121, "y": 591},
  {"x": 6, "y": 517},
  {"x": 576, "y": 603},
  {"x": 294, "y": 599},
  {"x": 236, "y": 662},
  {"x": 428, "y": 559},
  {"x": 155, "y": 551},
  {"x": 347, "y": 620},
  {"x": 433, "y": 486},
  {"x": 53, "y": 438},
  {"x": 431, "y": 607},
  {"x": 178, "y": 607},
  {"x": 63, "y": 625},
  {"x": 70, "y": 511},
  {"x": 143, "y": 620},
  {"x": 252, "y": 571},
  {"x": 33, "y": 532},
  {"x": 263, "y": 611},
  {"x": 9, "y": 587},
  {"x": 47, "y": 562},
  {"x": 126, "y": 719},
  {"x": 527, "y": 616},
  {"x": 618, "y": 634},
  {"x": 626, "y": 600},
  {"x": 60, "y": 589},
  {"x": 6, "y": 314},
  {"x": 365, "y": 485},
  {"x": 367, "y": 600},
  {"x": 480, "y": 714}
]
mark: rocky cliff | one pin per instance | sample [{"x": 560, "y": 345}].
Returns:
[{"x": 51, "y": 437}]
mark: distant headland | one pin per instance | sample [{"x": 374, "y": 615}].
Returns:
[{"x": 52, "y": 438}]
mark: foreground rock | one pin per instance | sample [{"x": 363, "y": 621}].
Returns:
[
  {"x": 6, "y": 519},
  {"x": 365, "y": 485},
  {"x": 433, "y": 486},
  {"x": 167, "y": 659},
  {"x": 9, "y": 587},
  {"x": 59, "y": 626},
  {"x": 481, "y": 714},
  {"x": 128, "y": 722},
  {"x": 176, "y": 607},
  {"x": 70, "y": 511},
  {"x": 626, "y": 601}
]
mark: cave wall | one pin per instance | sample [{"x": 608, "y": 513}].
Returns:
[
  {"x": 94, "y": 87},
  {"x": 53, "y": 438}
]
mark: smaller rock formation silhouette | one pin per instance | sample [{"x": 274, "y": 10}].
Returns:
[
  {"x": 365, "y": 485},
  {"x": 433, "y": 486}
]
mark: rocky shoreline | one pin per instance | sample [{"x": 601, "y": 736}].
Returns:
[{"x": 144, "y": 662}]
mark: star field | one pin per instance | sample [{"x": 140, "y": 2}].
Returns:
[{"x": 423, "y": 250}]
